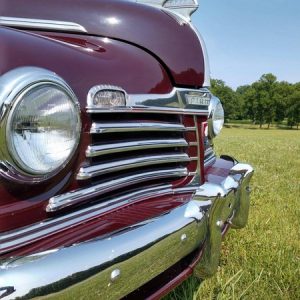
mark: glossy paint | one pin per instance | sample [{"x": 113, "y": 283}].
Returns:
[
  {"x": 83, "y": 62},
  {"x": 216, "y": 172},
  {"x": 173, "y": 43},
  {"x": 109, "y": 222}
]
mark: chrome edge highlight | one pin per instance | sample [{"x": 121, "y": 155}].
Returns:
[
  {"x": 173, "y": 103},
  {"x": 41, "y": 24}
]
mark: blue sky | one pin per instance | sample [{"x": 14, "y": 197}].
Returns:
[{"x": 248, "y": 38}]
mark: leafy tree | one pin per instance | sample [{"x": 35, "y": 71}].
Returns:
[
  {"x": 293, "y": 111},
  {"x": 264, "y": 101},
  {"x": 266, "y": 89},
  {"x": 296, "y": 86},
  {"x": 247, "y": 94},
  {"x": 282, "y": 92},
  {"x": 258, "y": 98},
  {"x": 232, "y": 107}
]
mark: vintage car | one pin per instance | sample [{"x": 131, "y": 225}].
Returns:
[{"x": 109, "y": 184}]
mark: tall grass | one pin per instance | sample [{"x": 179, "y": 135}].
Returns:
[{"x": 261, "y": 261}]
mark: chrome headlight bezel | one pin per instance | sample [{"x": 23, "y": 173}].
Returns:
[
  {"x": 215, "y": 123},
  {"x": 13, "y": 86}
]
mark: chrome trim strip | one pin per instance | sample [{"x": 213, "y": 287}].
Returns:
[
  {"x": 193, "y": 173},
  {"x": 41, "y": 24},
  {"x": 26, "y": 235},
  {"x": 210, "y": 161},
  {"x": 174, "y": 102},
  {"x": 209, "y": 151},
  {"x": 126, "y": 164},
  {"x": 135, "y": 126},
  {"x": 98, "y": 150},
  {"x": 193, "y": 128},
  {"x": 79, "y": 196},
  {"x": 196, "y": 180},
  {"x": 151, "y": 110},
  {"x": 139, "y": 252},
  {"x": 194, "y": 158}
]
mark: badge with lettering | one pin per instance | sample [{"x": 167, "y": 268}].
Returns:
[{"x": 201, "y": 99}]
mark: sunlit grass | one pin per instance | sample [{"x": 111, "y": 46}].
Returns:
[{"x": 261, "y": 261}]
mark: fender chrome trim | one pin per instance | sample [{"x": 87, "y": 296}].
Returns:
[{"x": 41, "y": 24}]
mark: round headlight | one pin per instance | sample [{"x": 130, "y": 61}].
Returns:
[
  {"x": 43, "y": 124},
  {"x": 43, "y": 128},
  {"x": 216, "y": 117}
]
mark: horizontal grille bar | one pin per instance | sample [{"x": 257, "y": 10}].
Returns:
[
  {"x": 149, "y": 110},
  {"x": 137, "y": 126},
  {"x": 97, "y": 150},
  {"x": 75, "y": 197},
  {"x": 120, "y": 165}
]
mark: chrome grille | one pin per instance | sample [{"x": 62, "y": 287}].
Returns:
[
  {"x": 135, "y": 144},
  {"x": 137, "y": 151},
  {"x": 153, "y": 141}
]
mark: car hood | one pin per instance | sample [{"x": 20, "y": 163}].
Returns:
[{"x": 174, "y": 44}]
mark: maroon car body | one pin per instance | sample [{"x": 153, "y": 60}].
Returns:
[{"x": 143, "y": 201}]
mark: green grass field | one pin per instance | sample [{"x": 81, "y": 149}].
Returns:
[{"x": 261, "y": 261}]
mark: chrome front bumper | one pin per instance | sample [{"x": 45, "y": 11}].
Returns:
[{"x": 112, "y": 267}]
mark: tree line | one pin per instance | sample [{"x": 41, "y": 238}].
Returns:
[{"x": 263, "y": 102}]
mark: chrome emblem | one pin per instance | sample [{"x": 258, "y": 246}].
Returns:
[{"x": 202, "y": 99}]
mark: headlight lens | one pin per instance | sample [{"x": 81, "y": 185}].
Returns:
[
  {"x": 216, "y": 117},
  {"x": 43, "y": 128}
]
